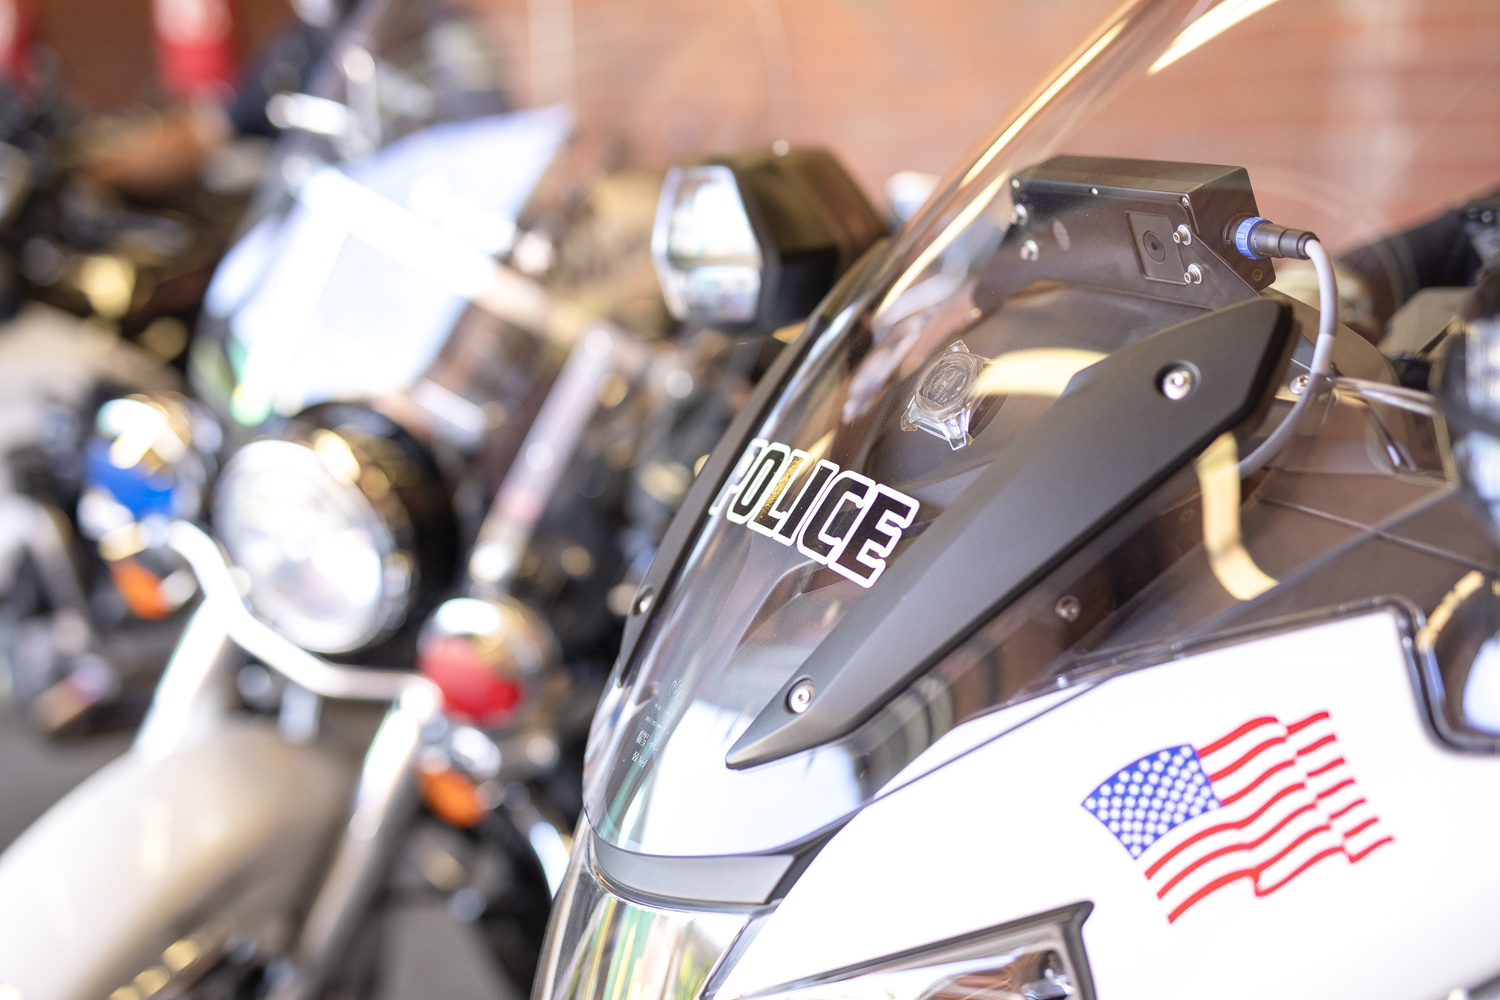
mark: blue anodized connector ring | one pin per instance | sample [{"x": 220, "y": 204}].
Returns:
[{"x": 1242, "y": 236}]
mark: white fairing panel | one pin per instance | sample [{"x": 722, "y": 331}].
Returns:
[
  {"x": 127, "y": 862},
  {"x": 1290, "y": 885}
]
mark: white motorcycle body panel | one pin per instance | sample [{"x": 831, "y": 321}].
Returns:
[
  {"x": 1002, "y": 833},
  {"x": 134, "y": 857}
]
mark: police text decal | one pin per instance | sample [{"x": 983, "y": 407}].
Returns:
[{"x": 839, "y": 518}]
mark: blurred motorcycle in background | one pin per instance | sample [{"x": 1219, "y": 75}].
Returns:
[
  {"x": 455, "y": 422},
  {"x": 97, "y": 291}
]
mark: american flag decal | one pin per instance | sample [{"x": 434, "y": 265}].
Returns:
[{"x": 1265, "y": 803}]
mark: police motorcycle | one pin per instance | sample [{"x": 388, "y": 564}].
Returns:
[
  {"x": 274, "y": 787},
  {"x": 1069, "y": 613}
]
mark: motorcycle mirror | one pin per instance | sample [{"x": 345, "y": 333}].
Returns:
[{"x": 754, "y": 241}]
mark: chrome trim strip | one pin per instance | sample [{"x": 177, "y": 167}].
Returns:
[
  {"x": 383, "y": 806},
  {"x": 386, "y": 795},
  {"x": 1411, "y": 400}
]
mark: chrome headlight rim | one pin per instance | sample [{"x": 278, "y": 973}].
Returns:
[
  {"x": 281, "y": 457},
  {"x": 399, "y": 477},
  {"x": 1040, "y": 956}
]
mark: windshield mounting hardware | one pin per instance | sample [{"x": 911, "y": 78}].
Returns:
[
  {"x": 1178, "y": 217},
  {"x": 947, "y": 391}
]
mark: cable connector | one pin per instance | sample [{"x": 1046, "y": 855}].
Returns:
[
  {"x": 1258, "y": 238},
  {"x": 1322, "y": 359}
]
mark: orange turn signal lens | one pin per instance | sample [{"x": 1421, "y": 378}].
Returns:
[
  {"x": 453, "y": 798},
  {"x": 141, "y": 589}
]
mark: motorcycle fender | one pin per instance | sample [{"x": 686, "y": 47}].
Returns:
[{"x": 227, "y": 834}]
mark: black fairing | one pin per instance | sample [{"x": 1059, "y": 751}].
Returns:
[
  {"x": 1109, "y": 440},
  {"x": 812, "y": 222}
]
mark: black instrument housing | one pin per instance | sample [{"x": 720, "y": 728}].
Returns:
[{"x": 812, "y": 221}]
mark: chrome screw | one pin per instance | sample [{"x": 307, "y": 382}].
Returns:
[
  {"x": 1177, "y": 383},
  {"x": 1030, "y": 251},
  {"x": 643, "y": 601},
  {"x": 1183, "y": 235},
  {"x": 1019, "y": 216},
  {"x": 1298, "y": 385},
  {"x": 1068, "y": 608},
  {"x": 800, "y": 696},
  {"x": 1193, "y": 276}
]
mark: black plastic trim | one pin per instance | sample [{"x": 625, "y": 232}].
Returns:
[
  {"x": 731, "y": 879},
  {"x": 1110, "y": 439},
  {"x": 812, "y": 221}
]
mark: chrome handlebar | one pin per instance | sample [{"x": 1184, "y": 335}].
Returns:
[
  {"x": 222, "y": 599},
  {"x": 188, "y": 704}
]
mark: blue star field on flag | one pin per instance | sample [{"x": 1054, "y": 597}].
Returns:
[{"x": 1146, "y": 799}]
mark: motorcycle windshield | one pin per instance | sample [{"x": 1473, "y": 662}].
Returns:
[
  {"x": 1065, "y": 238},
  {"x": 393, "y": 191}
]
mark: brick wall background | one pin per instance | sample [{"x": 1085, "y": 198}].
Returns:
[
  {"x": 1353, "y": 115},
  {"x": 105, "y": 48},
  {"x": 888, "y": 84}
]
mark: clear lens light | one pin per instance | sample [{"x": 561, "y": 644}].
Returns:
[
  {"x": 321, "y": 562},
  {"x": 704, "y": 247},
  {"x": 708, "y": 218},
  {"x": 1036, "y": 959},
  {"x": 602, "y": 947}
]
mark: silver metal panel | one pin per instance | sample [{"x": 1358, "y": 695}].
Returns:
[{"x": 94, "y": 891}]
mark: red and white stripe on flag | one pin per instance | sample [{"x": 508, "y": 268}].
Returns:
[{"x": 1287, "y": 801}]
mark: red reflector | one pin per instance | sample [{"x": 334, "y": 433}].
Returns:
[{"x": 470, "y": 685}]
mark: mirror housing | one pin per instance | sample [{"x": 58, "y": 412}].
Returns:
[{"x": 753, "y": 242}]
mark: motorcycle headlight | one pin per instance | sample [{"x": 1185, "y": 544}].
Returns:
[
  {"x": 1039, "y": 958},
  {"x": 334, "y": 528},
  {"x": 600, "y": 946}
]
